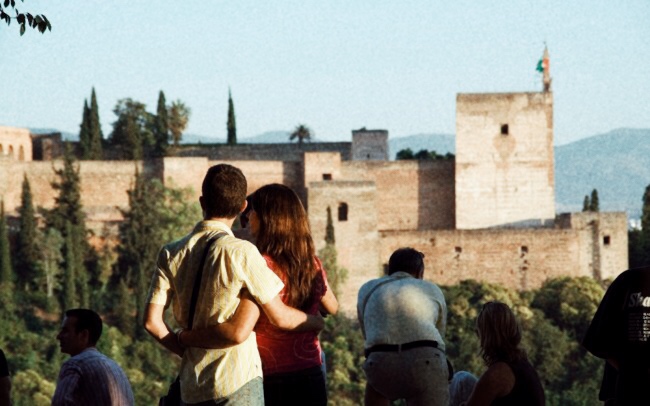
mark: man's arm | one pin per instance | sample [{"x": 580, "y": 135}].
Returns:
[
  {"x": 288, "y": 318},
  {"x": 155, "y": 325},
  {"x": 229, "y": 333}
]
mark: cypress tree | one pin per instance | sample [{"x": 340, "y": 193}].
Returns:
[
  {"x": 84, "y": 132},
  {"x": 593, "y": 203},
  {"x": 161, "y": 127},
  {"x": 645, "y": 211},
  {"x": 336, "y": 275},
  {"x": 69, "y": 298},
  {"x": 140, "y": 240},
  {"x": 96, "y": 136},
  {"x": 26, "y": 263},
  {"x": 231, "y": 125},
  {"x": 585, "y": 203},
  {"x": 6, "y": 273},
  {"x": 68, "y": 218},
  {"x": 329, "y": 229}
]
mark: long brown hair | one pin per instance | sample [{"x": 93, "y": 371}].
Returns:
[
  {"x": 284, "y": 235},
  {"x": 499, "y": 334}
]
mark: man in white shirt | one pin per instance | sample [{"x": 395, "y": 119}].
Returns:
[{"x": 403, "y": 320}]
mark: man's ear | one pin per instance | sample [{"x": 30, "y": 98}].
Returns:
[
  {"x": 243, "y": 207},
  {"x": 85, "y": 337}
]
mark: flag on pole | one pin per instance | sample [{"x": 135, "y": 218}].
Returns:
[{"x": 544, "y": 64}]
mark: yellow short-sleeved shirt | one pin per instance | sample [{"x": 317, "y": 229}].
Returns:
[{"x": 232, "y": 265}]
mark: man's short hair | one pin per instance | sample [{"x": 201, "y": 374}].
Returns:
[
  {"x": 406, "y": 260},
  {"x": 224, "y": 191},
  {"x": 87, "y": 320}
]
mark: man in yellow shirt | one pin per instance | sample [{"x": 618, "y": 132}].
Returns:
[{"x": 234, "y": 268}]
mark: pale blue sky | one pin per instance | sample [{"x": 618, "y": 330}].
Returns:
[{"x": 335, "y": 65}]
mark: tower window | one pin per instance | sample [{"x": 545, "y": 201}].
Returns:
[
  {"x": 504, "y": 129},
  {"x": 523, "y": 249},
  {"x": 458, "y": 250},
  {"x": 607, "y": 240},
  {"x": 327, "y": 176},
  {"x": 343, "y": 212}
]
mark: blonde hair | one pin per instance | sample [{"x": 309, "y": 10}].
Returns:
[{"x": 499, "y": 334}]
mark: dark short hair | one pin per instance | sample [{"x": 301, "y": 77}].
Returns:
[
  {"x": 224, "y": 191},
  {"x": 87, "y": 320},
  {"x": 406, "y": 260}
]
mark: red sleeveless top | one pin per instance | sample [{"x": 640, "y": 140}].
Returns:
[{"x": 283, "y": 351}]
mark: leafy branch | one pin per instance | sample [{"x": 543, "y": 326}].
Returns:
[{"x": 38, "y": 22}]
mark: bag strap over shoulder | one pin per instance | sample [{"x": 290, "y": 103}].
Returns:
[{"x": 197, "y": 280}]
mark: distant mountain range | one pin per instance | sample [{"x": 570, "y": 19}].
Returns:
[{"x": 617, "y": 164}]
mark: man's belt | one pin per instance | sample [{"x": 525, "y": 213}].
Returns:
[{"x": 400, "y": 347}]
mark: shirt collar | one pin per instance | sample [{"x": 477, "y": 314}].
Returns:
[{"x": 212, "y": 225}]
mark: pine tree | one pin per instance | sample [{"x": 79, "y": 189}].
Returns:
[
  {"x": 84, "y": 132},
  {"x": 593, "y": 203},
  {"x": 51, "y": 258},
  {"x": 161, "y": 128},
  {"x": 231, "y": 125},
  {"x": 96, "y": 136},
  {"x": 26, "y": 263}
]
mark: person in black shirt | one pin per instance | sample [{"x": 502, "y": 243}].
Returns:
[
  {"x": 620, "y": 334},
  {"x": 5, "y": 382}
]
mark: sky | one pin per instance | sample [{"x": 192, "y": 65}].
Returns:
[{"x": 333, "y": 65}]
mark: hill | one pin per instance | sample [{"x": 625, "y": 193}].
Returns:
[{"x": 617, "y": 164}]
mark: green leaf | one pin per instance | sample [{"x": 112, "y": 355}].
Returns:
[
  {"x": 6, "y": 3},
  {"x": 30, "y": 18},
  {"x": 21, "y": 19},
  {"x": 42, "y": 26},
  {"x": 22, "y": 28}
]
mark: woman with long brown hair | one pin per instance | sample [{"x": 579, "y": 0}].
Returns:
[
  {"x": 510, "y": 379},
  {"x": 291, "y": 362}
]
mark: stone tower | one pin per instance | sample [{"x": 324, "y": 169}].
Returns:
[
  {"x": 504, "y": 160},
  {"x": 369, "y": 145}
]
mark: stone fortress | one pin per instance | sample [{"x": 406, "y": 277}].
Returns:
[{"x": 489, "y": 214}]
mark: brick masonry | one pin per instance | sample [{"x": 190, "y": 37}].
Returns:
[{"x": 487, "y": 215}]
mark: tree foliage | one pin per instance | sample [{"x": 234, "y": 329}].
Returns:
[
  {"x": 231, "y": 124},
  {"x": 422, "y": 155},
  {"x": 96, "y": 136},
  {"x": 178, "y": 117},
  {"x": 591, "y": 203},
  {"x": 38, "y": 22},
  {"x": 301, "y": 133},
  {"x": 26, "y": 261},
  {"x": 67, "y": 217},
  {"x": 132, "y": 134},
  {"x": 161, "y": 127}
]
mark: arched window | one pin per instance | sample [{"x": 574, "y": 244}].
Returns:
[
  {"x": 343, "y": 212},
  {"x": 11, "y": 150},
  {"x": 2, "y": 151}
]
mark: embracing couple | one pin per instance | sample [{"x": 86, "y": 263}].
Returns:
[{"x": 221, "y": 288}]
